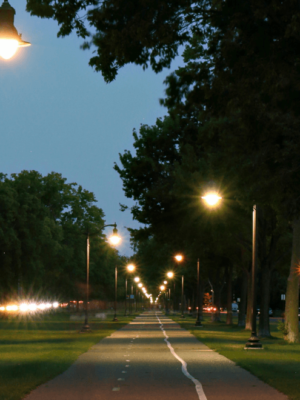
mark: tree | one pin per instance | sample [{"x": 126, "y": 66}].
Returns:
[{"x": 44, "y": 222}]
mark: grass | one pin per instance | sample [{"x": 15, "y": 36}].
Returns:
[
  {"x": 37, "y": 349},
  {"x": 278, "y": 364}
]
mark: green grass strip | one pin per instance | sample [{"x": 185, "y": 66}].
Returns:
[
  {"x": 278, "y": 364},
  {"x": 36, "y": 350}
]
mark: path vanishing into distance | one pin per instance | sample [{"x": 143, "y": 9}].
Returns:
[{"x": 153, "y": 358}]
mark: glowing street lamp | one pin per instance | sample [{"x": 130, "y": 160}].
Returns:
[
  {"x": 136, "y": 280},
  {"x": 10, "y": 40},
  {"x": 211, "y": 199},
  {"x": 114, "y": 239},
  {"x": 170, "y": 275},
  {"x": 130, "y": 268},
  {"x": 178, "y": 257},
  {"x": 86, "y": 327},
  {"x": 140, "y": 285},
  {"x": 165, "y": 282},
  {"x": 162, "y": 288}
]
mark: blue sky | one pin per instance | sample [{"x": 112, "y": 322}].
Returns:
[{"x": 57, "y": 114}]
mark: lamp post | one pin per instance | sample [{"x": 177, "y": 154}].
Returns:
[
  {"x": 10, "y": 40},
  {"x": 253, "y": 342},
  {"x": 86, "y": 327},
  {"x": 199, "y": 303},
  {"x": 182, "y": 297},
  {"x": 125, "y": 296},
  {"x": 136, "y": 280},
  {"x": 114, "y": 240},
  {"x": 130, "y": 268},
  {"x": 212, "y": 199},
  {"x": 179, "y": 258},
  {"x": 170, "y": 275}
]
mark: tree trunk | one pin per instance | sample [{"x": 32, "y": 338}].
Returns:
[
  {"x": 243, "y": 303},
  {"x": 229, "y": 296},
  {"x": 249, "y": 303},
  {"x": 264, "y": 322},
  {"x": 292, "y": 291},
  {"x": 215, "y": 315}
]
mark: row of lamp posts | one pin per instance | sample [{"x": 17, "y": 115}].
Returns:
[{"x": 213, "y": 199}]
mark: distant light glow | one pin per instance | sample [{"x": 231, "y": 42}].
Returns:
[
  {"x": 8, "y": 48},
  {"x": 212, "y": 199},
  {"x": 140, "y": 285},
  {"x": 32, "y": 307},
  {"x": 179, "y": 257},
  {"x": 130, "y": 268},
  {"x": 24, "y": 307},
  {"x": 162, "y": 288},
  {"x": 165, "y": 282},
  {"x": 170, "y": 274},
  {"x": 12, "y": 307},
  {"x": 55, "y": 304},
  {"x": 136, "y": 279}
]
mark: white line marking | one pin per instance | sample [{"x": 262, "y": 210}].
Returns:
[
  {"x": 116, "y": 389},
  {"x": 121, "y": 379},
  {"x": 198, "y": 386}
]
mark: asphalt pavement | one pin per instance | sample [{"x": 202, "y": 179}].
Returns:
[{"x": 153, "y": 358}]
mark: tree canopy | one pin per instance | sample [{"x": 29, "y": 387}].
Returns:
[{"x": 44, "y": 222}]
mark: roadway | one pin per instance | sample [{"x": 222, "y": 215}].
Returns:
[{"x": 153, "y": 358}]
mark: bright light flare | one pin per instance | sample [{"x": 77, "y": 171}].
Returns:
[
  {"x": 8, "y": 48},
  {"x": 170, "y": 274},
  {"x": 114, "y": 239},
  {"x": 136, "y": 279},
  {"x": 55, "y": 304},
  {"x": 165, "y": 282},
  {"x": 12, "y": 307},
  {"x": 130, "y": 268},
  {"x": 212, "y": 199},
  {"x": 140, "y": 285},
  {"x": 162, "y": 288},
  {"x": 24, "y": 307},
  {"x": 179, "y": 257}
]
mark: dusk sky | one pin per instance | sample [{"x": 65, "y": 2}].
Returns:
[{"x": 57, "y": 114}]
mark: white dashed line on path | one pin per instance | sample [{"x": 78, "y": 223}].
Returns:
[{"x": 198, "y": 386}]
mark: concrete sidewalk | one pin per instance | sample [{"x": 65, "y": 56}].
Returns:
[{"x": 136, "y": 363}]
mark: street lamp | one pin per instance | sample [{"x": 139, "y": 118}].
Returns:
[
  {"x": 136, "y": 280},
  {"x": 10, "y": 40},
  {"x": 213, "y": 199},
  {"x": 179, "y": 258},
  {"x": 253, "y": 342},
  {"x": 86, "y": 327},
  {"x": 170, "y": 275},
  {"x": 130, "y": 268},
  {"x": 114, "y": 240}
]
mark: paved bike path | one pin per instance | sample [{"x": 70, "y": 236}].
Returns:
[{"x": 153, "y": 358}]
